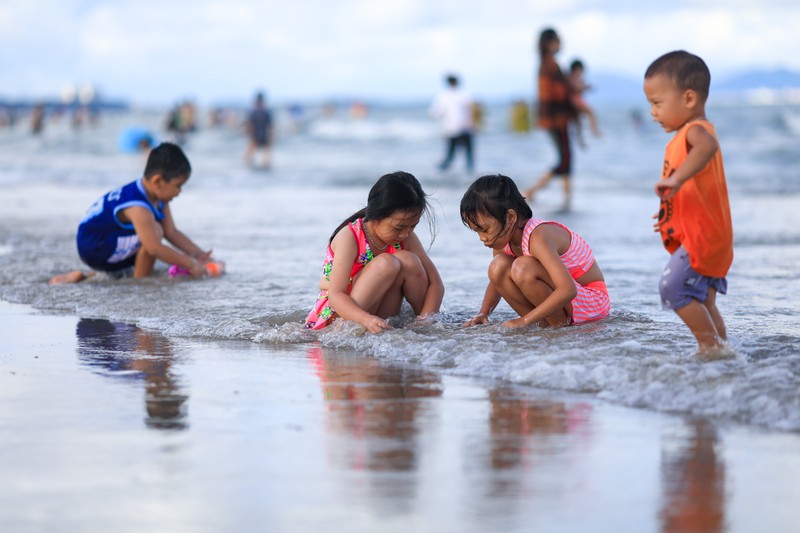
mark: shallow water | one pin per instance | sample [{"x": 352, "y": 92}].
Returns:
[{"x": 271, "y": 229}]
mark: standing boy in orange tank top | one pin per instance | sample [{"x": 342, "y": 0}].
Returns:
[{"x": 694, "y": 219}]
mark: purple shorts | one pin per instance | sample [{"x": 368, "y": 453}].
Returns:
[{"x": 680, "y": 283}]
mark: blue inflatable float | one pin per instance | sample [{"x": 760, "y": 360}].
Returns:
[{"x": 135, "y": 139}]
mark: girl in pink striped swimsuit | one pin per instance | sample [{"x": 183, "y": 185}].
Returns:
[{"x": 545, "y": 271}]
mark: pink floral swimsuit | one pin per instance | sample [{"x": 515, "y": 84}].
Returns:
[{"x": 322, "y": 314}]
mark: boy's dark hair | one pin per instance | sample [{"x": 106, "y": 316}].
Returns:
[
  {"x": 687, "y": 71},
  {"x": 168, "y": 160},
  {"x": 398, "y": 191},
  {"x": 576, "y": 64},
  {"x": 452, "y": 80},
  {"x": 493, "y": 196}
]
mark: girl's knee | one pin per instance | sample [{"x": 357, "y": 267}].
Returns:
[
  {"x": 527, "y": 270},
  {"x": 386, "y": 265},
  {"x": 411, "y": 266},
  {"x": 499, "y": 268},
  {"x": 408, "y": 260}
]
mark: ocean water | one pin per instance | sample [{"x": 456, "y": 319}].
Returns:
[{"x": 271, "y": 227}]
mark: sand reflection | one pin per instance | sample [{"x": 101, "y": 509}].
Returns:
[
  {"x": 693, "y": 481},
  {"x": 375, "y": 414},
  {"x": 377, "y": 404},
  {"x": 525, "y": 432},
  {"x": 128, "y": 352}
]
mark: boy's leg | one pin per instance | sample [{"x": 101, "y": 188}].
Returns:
[
  {"x": 716, "y": 316},
  {"x": 682, "y": 290},
  {"x": 74, "y": 276},
  {"x": 700, "y": 322}
]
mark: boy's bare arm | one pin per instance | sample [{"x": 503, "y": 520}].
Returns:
[
  {"x": 702, "y": 147},
  {"x": 150, "y": 234},
  {"x": 180, "y": 240},
  {"x": 185, "y": 244}
]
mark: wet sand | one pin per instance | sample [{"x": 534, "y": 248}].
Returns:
[{"x": 108, "y": 427}]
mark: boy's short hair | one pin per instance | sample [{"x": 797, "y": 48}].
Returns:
[
  {"x": 168, "y": 160},
  {"x": 575, "y": 65},
  {"x": 687, "y": 71}
]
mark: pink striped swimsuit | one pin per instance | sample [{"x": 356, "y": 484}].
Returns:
[{"x": 592, "y": 301}]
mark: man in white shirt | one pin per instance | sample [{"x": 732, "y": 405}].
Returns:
[{"x": 453, "y": 108}]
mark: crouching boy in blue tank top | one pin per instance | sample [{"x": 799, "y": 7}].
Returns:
[{"x": 126, "y": 227}]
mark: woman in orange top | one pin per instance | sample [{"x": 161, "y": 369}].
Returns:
[{"x": 555, "y": 112}]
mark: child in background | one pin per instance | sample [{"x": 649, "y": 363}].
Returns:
[
  {"x": 543, "y": 270},
  {"x": 579, "y": 86},
  {"x": 126, "y": 226},
  {"x": 694, "y": 218},
  {"x": 374, "y": 260}
]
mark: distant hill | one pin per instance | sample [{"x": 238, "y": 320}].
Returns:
[
  {"x": 613, "y": 87},
  {"x": 761, "y": 79}
]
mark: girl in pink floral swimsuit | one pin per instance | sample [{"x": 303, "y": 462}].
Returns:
[
  {"x": 546, "y": 272},
  {"x": 374, "y": 261}
]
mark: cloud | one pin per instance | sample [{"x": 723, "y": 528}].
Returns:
[{"x": 160, "y": 51}]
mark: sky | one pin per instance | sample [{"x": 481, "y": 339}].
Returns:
[{"x": 221, "y": 51}]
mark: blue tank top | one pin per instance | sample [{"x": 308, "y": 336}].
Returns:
[{"x": 104, "y": 241}]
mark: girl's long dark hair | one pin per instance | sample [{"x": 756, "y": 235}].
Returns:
[
  {"x": 493, "y": 196},
  {"x": 398, "y": 191}
]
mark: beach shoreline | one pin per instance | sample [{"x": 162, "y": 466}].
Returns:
[{"x": 106, "y": 425}]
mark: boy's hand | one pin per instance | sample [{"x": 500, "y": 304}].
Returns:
[
  {"x": 197, "y": 270},
  {"x": 204, "y": 257},
  {"x": 657, "y": 225},
  {"x": 667, "y": 188}
]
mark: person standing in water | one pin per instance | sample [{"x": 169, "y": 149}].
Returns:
[
  {"x": 259, "y": 133},
  {"x": 454, "y": 108},
  {"x": 694, "y": 218},
  {"x": 555, "y": 113}
]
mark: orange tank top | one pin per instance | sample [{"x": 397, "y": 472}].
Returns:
[{"x": 698, "y": 217}]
